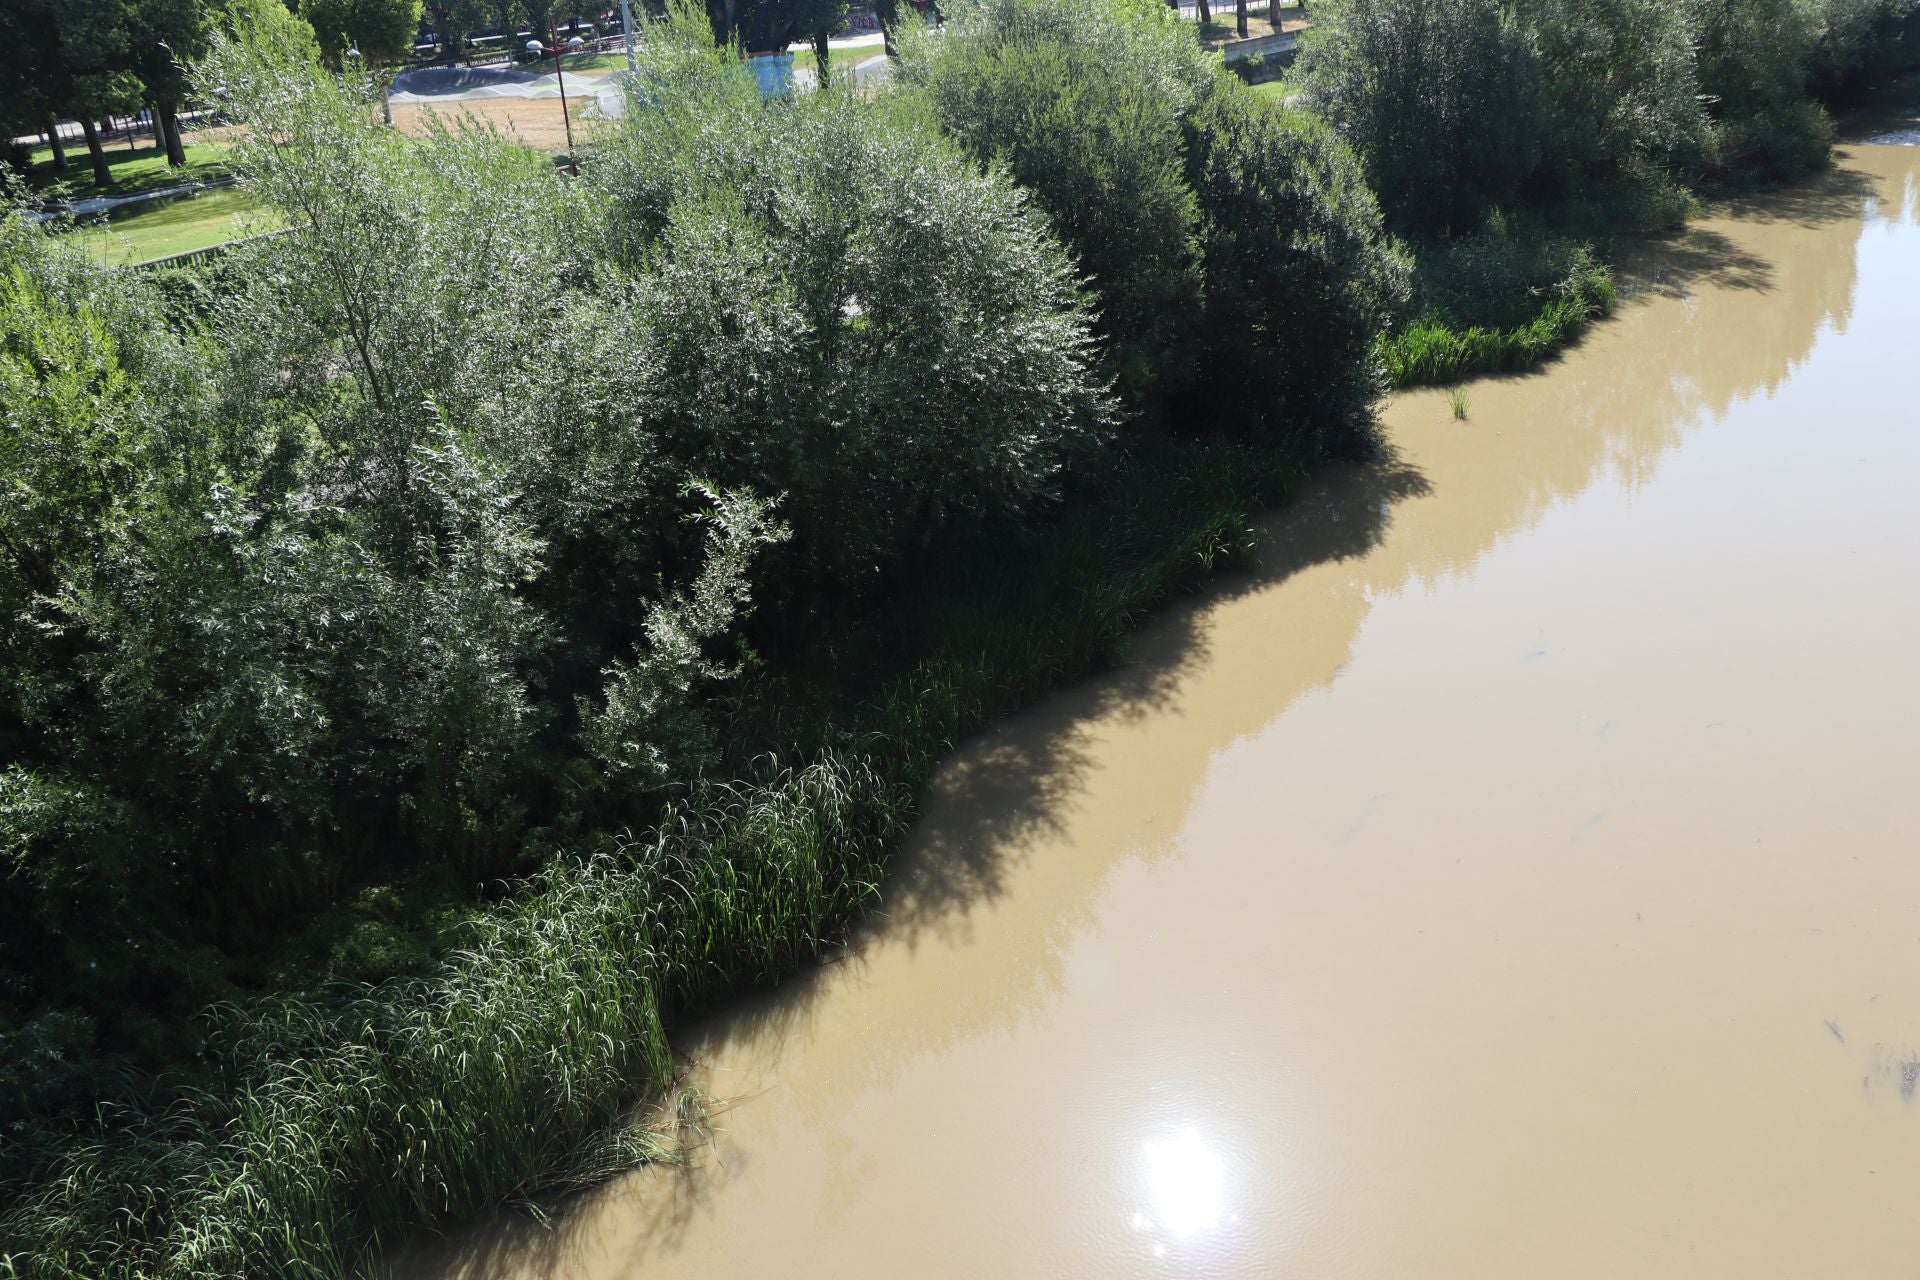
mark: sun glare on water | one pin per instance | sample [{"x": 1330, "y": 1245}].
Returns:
[{"x": 1186, "y": 1185}]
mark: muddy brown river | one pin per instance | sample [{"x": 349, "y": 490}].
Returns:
[{"x": 1518, "y": 875}]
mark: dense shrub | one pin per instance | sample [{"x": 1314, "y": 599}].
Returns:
[
  {"x": 1494, "y": 276},
  {"x": 1456, "y": 105},
  {"x": 1269, "y": 275},
  {"x": 1751, "y": 54},
  {"x": 1441, "y": 98},
  {"x": 1620, "y": 87},
  {"x": 1853, "y": 40},
  {"x": 1753, "y": 58},
  {"x": 1300, "y": 278},
  {"x": 1084, "y": 107},
  {"x": 833, "y": 305},
  {"x": 351, "y": 1120},
  {"x": 423, "y": 552},
  {"x": 1775, "y": 144},
  {"x": 420, "y": 546}
]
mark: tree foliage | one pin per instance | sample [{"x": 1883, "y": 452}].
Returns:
[
  {"x": 426, "y": 549},
  {"x": 830, "y": 301},
  {"x": 1085, "y": 107},
  {"x": 1204, "y": 222},
  {"x": 1441, "y": 98},
  {"x": 382, "y": 30}
]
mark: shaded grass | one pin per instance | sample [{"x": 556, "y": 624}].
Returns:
[
  {"x": 161, "y": 228},
  {"x": 841, "y": 61},
  {"x": 593, "y": 61},
  {"x": 347, "y": 1121},
  {"x": 139, "y": 170}
]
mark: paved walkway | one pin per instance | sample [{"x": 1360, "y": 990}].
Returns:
[
  {"x": 93, "y": 206},
  {"x": 866, "y": 73},
  {"x": 468, "y": 84},
  {"x": 434, "y": 85}
]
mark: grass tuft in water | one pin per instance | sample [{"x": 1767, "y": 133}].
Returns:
[{"x": 1457, "y": 398}]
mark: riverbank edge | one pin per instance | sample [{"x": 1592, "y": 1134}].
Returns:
[
  {"x": 349, "y": 1123},
  {"x": 1431, "y": 351}
]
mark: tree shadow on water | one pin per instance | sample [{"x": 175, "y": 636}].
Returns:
[
  {"x": 1835, "y": 195},
  {"x": 1009, "y": 788},
  {"x": 1699, "y": 256}
]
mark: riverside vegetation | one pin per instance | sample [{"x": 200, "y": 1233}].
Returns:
[
  {"x": 1509, "y": 141},
  {"x": 447, "y": 643}
]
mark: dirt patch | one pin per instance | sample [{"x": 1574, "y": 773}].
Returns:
[
  {"x": 534, "y": 121},
  {"x": 1221, "y": 32}
]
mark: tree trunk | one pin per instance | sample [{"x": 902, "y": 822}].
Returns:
[
  {"x": 53, "y": 141},
  {"x": 102, "y": 176},
  {"x": 820, "y": 51},
  {"x": 888, "y": 11},
  {"x": 1273, "y": 13},
  {"x": 1240, "y": 17},
  {"x": 1203, "y": 12},
  {"x": 153, "y": 118},
  {"x": 170, "y": 133}
]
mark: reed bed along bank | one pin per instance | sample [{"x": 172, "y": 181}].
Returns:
[
  {"x": 1433, "y": 350},
  {"x": 349, "y": 1122}
]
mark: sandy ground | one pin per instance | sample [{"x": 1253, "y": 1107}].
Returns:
[
  {"x": 1257, "y": 24},
  {"x": 534, "y": 121}
]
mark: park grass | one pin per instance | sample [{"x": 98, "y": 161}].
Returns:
[
  {"x": 142, "y": 169},
  {"x": 164, "y": 227},
  {"x": 579, "y": 62},
  {"x": 840, "y": 62}
]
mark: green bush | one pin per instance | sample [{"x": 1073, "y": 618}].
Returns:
[
  {"x": 423, "y": 550},
  {"x": 1754, "y": 58},
  {"x": 1300, "y": 277},
  {"x": 1441, "y": 98},
  {"x": 1439, "y": 348},
  {"x": 1854, "y": 40},
  {"x": 344, "y": 1123},
  {"x": 350, "y": 1122},
  {"x": 1779, "y": 143},
  {"x": 1620, "y": 90},
  {"x": 1084, "y": 107},
  {"x": 1265, "y": 275},
  {"x": 831, "y": 301},
  {"x": 1496, "y": 276}
]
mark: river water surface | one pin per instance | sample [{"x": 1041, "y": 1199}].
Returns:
[{"x": 1518, "y": 875}]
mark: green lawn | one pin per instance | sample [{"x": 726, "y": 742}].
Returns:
[
  {"x": 164, "y": 227},
  {"x": 840, "y": 60},
  {"x": 573, "y": 63},
  {"x": 1275, "y": 90},
  {"x": 132, "y": 171},
  {"x": 591, "y": 62}
]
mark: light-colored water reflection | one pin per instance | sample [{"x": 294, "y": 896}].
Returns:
[
  {"x": 1186, "y": 1184},
  {"x": 1513, "y": 876}
]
